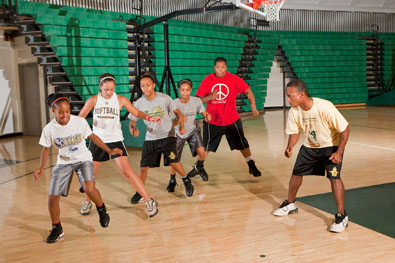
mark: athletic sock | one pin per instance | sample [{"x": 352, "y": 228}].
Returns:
[
  {"x": 100, "y": 208},
  {"x": 172, "y": 177},
  {"x": 249, "y": 158},
  {"x": 56, "y": 224}
]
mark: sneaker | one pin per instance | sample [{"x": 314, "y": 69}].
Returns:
[
  {"x": 56, "y": 234},
  {"x": 188, "y": 186},
  {"x": 286, "y": 208},
  {"x": 341, "y": 222},
  {"x": 252, "y": 168},
  {"x": 86, "y": 208},
  {"x": 172, "y": 184},
  {"x": 103, "y": 215},
  {"x": 193, "y": 172},
  {"x": 137, "y": 198},
  {"x": 152, "y": 207},
  {"x": 203, "y": 174}
]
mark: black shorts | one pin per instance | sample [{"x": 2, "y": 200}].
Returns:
[
  {"x": 315, "y": 161},
  {"x": 153, "y": 150},
  {"x": 99, "y": 155},
  {"x": 194, "y": 141},
  {"x": 212, "y": 135}
]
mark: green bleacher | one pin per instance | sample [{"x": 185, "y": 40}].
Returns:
[
  {"x": 87, "y": 42},
  {"x": 90, "y": 42}
]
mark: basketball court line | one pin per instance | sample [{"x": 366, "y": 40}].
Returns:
[
  {"x": 20, "y": 176},
  {"x": 351, "y": 142}
]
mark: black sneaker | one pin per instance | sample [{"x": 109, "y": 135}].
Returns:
[
  {"x": 103, "y": 215},
  {"x": 137, "y": 198},
  {"x": 172, "y": 184},
  {"x": 252, "y": 169},
  {"x": 56, "y": 234},
  {"x": 193, "y": 172},
  {"x": 188, "y": 186},
  {"x": 203, "y": 174}
]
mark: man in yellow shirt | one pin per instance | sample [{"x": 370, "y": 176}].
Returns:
[{"x": 326, "y": 134}]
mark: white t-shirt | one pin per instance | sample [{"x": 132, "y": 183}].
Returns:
[
  {"x": 190, "y": 109},
  {"x": 321, "y": 125},
  {"x": 161, "y": 106},
  {"x": 69, "y": 139}
]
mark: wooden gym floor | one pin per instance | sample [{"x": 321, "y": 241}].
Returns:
[{"x": 227, "y": 220}]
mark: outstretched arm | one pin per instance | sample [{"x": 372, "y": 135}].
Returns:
[
  {"x": 132, "y": 128},
  {"x": 336, "y": 157},
  {"x": 88, "y": 106},
  {"x": 43, "y": 160},
  {"x": 136, "y": 112},
  {"x": 207, "y": 98},
  {"x": 251, "y": 98}
]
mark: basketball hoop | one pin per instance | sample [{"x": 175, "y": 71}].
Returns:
[{"x": 271, "y": 8}]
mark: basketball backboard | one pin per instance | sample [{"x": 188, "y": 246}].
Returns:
[{"x": 268, "y": 9}]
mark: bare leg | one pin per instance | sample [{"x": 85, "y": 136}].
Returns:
[
  {"x": 294, "y": 183},
  {"x": 338, "y": 194},
  {"x": 54, "y": 209},
  {"x": 96, "y": 168},
  {"x": 246, "y": 152},
  {"x": 144, "y": 173},
  {"x": 178, "y": 168},
  {"x": 124, "y": 165},
  {"x": 92, "y": 193},
  {"x": 172, "y": 171},
  {"x": 201, "y": 153}
]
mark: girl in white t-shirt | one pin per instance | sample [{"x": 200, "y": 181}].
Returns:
[{"x": 68, "y": 133}]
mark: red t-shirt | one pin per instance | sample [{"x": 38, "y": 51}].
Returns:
[{"x": 223, "y": 109}]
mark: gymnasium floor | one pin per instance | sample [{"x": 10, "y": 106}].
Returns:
[{"x": 227, "y": 220}]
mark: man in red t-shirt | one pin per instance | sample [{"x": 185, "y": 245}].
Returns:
[{"x": 219, "y": 90}]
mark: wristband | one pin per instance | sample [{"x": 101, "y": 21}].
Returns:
[{"x": 148, "y": 118}]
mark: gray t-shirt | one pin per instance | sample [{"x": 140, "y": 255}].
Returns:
[
  {"x": 161, "y": 106},
  {"x": 190, "y": 109}
]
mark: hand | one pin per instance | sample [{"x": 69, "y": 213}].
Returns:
[
  {"x": 181, "y": 130},
  {"x": 214, "y": 95},
  {"x": 116, "y": 151},
  {"x": 336, "y": 157},
  {"x": 156, "y": 119},
  {"x": 207, "y": 117},
  {"x": 288, "y": 152},
  {"x": 37, "y": 174},
  {"x": 255, "y": 113},
  {"x": 134, "y": 131}
]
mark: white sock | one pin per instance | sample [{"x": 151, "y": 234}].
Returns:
[{"x": 249, "y": 158}]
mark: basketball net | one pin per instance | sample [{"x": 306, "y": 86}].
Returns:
[{"x": 272, "y": 8}]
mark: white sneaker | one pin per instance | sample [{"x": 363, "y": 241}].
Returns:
[
  {"x": 152, "y": 207},
  {"x": 286, "y": 208},
  {"x": 86, "y": 208},
  {"x": 340, "y": 224}
]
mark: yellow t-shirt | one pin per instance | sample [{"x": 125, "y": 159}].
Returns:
[{"x": 321, "y": 125}]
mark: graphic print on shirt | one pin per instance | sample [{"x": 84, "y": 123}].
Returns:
[
  {"x": 223, "y": 92},
  {"x": 155, "y": 112},
  {"x": 106, "y": 112},
  {"x": 68, "y": 141}
]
